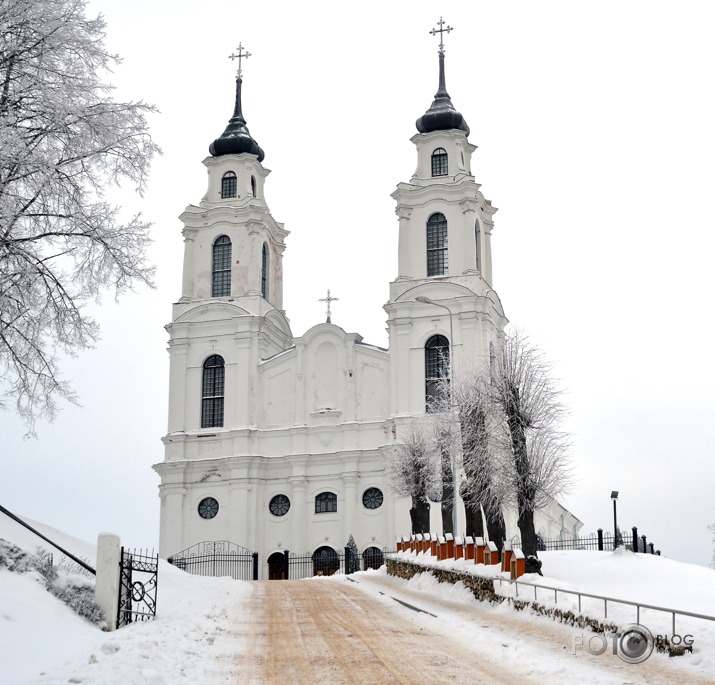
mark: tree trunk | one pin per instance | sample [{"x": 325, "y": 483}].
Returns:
[
  {"x": 528, "y": 533},
  {"x": 419, "y": 515},
  {"x": 447, "y": 504},
  {"x": 473, "y": 515},
  {"x": 496, "y": 528}
]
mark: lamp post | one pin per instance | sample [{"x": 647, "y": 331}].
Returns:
[
  {"x": 453, "y": 465},
  {"x": 614, "y": 497}
]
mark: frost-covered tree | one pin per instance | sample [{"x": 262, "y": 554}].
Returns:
[
  {"x": 485, "y": 463},
  {"x": 523, "y": 391},
  {"x": 64, "y": 141},
  {"x": 414, "y": 471},
  {"x": 353, "y": 561}
]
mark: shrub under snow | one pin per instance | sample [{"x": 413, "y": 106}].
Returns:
[{"x": 68, "y": 582}]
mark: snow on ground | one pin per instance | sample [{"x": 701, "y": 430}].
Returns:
[{"x": 42, "y": 641}]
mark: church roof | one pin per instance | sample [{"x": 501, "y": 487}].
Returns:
[
  {"x": 441, "y": 116},
  {"x": 236, "y": 139}
]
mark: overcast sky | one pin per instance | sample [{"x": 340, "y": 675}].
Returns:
[{"x": 594, "y": 122}]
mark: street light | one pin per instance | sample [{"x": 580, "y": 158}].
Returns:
[
  {"x": 453, "y": 465},
  {"x": 614, "y": 497}
]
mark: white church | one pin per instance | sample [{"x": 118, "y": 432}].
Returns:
[{"x": 278, "y": 442}]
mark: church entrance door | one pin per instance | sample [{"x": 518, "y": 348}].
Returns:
[{"x": 276, "y": 566}]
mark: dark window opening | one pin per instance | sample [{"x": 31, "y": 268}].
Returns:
[
  {"x": 221, "y": 267},
  {"x": 264, "y": 272},
  {"x": 253, "y": 186},
  {"x": 208, "y": 508},
  {"x": 436, "y": 370},
  {"x": 437, "y": 256},
  {"x": 279, "y": 505},
  {"x": 372, "y": 498},
  {"x": 229, "y": 185},
  {"x": 212, "y": 392},
  {"x": 439, "y": 162},
  {"x": 326, "y": 502},
  {"x": 372, "y": 558}
]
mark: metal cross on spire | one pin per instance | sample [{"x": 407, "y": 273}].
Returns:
[
  {"x": 328, "y": 299},
  {"x": 241, "y": 55},
  {"x": 441, "y": 32}
]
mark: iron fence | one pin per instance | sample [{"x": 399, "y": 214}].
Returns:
[
  {"x": 218, "y": 558},
  {"x": 139, "y": 574},
  {"x": 598, "y": 541}
]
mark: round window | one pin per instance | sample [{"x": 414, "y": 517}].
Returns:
[
  {"x": 279, "y": 505},
  {"x": 372, "y": 498},
  {"x": 208, "y": 508}
]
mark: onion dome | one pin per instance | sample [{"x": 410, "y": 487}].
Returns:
[
  {"x": 236, "y": 139},
  {"x": 441, "y": 116}
]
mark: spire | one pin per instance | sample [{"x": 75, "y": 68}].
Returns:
[
  {"x": 441, "y": 116},
  {"x": 237, "y": 139}
]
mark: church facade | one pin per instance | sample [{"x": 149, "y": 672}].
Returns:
[{"x": 278, "y": 442}]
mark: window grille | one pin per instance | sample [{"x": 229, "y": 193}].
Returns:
[
  {"x": 326, "y": 502},
  {"x": 212, "y": 392},
  {"x": 437, "y": 256},
  {"x": 221, "y": 267},
  {"x": 439, "y": 162},
  {"x": 229, "y": 185}
]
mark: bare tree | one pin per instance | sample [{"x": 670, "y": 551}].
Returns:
[
  {"x": 523, "y": 390},
  {"x": 414, "y": 471},
  {"x": 63, "y": 143},
  {"x": 485, "y": 488}
]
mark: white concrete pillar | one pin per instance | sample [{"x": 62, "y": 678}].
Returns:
[{"x": 106, "y": 589}]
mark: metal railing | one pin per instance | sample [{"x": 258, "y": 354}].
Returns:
[
  {"x": 77, "y": 560},
  {"x": 605, "y": 600}
]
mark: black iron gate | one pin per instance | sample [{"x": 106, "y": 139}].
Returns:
[
  {"x": 139, "y": 573},
  {"x": 218, "y": 558}
]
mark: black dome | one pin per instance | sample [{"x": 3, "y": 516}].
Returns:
[
  {"x": 236, "y": 139},
  {"x": 441, "y": 116}
]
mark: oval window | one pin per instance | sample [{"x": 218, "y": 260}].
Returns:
[
  {"x": 208, "y": 508},
  {"x": 372, "y": 498},
  {"x": 279, "y": 505}
]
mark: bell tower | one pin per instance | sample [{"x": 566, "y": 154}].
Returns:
[
  {"x": 229, "y": 316},
  {"x": 443, "y": 297}
]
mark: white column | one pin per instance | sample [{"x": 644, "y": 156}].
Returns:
[{"x": 106, "y": 588}]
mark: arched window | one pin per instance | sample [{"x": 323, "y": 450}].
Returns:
[
  {"x": 436, "y": 369},
  {"x": 264, "y": 272},
  {"x": 253, "y": 186},
  {"x": 326, "y": 502},
  {"x": 228, "y": 185},
  {"x": 221, "y": 267},
  {"x": 212, "y": 392},
  {"x": 439, "y": 162},
  {"x": 437, "y": 261}
]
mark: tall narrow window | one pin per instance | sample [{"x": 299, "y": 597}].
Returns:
[
  {"x": 228, "y": 185},
  {"x": 264, "y": 272},
  {"x": 478, "y": 246},
  {"x": 437, "y": 262},
  {"x": 221, "y": 267},
  {"x": 439, "y": 162},
  {"x": 436, "y": 369},
  {"x": 253, "y": 186},
  {"x": 212, "y": 392}
]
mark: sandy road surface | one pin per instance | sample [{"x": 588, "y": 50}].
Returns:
[{"x": 305, "y": 632}]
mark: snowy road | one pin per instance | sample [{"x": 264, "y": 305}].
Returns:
[{"x": 345, "y": 632}]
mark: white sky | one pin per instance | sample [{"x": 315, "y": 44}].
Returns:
[{"x": 594, "y": 123}]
